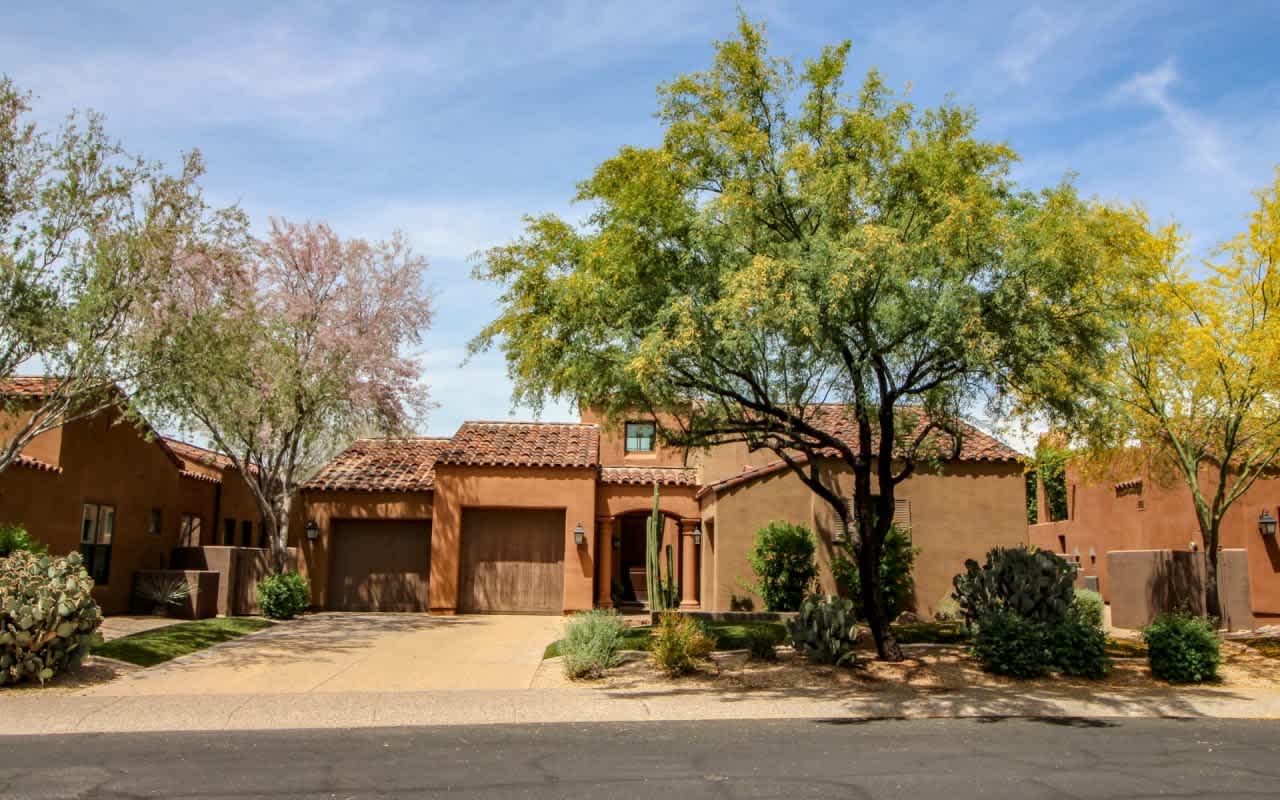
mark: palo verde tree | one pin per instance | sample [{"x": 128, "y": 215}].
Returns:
[
  {"x": 831, "y": 278},
  {"x": 88, "y": 237},
  {"x": 1197, "y": 380},
  {"x": 280, "y": 349}
]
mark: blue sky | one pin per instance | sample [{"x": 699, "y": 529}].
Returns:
[{"x": 451, "y": 120}]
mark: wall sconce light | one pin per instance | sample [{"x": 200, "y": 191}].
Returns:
[
  {"x": 1093, "y": 554},
  {"x": 617, "y": 541},
  {"x": 1266, "y": 523},
  {"x": 312, "y": 530},
  {"x": 579, "y": 535},
  {"x": 1194, "y": 545},
  {"x": 697, "y": 535}
]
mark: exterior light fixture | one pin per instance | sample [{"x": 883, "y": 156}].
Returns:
[
  {"x": 579, "y": 535},
  {"x": 697, "y": 536},
  {"x": 1266, "y": 523},
  {"x": 312, "y": 530},
  {"x": 617, "y": 541}
]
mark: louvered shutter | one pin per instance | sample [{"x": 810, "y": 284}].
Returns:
[{"x": 902, "y": 515}]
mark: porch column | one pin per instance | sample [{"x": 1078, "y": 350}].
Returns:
[
  {"x": 607, "y": 561},
  {"x": 689, "y": 571}
]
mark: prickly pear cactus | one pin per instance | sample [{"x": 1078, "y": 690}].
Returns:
[
  {"x": 1037, "y": 585},
  {"x": 823, "y": 631},
  {"x": 47, "y": 615}
]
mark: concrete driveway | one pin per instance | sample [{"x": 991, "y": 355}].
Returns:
[{"x": 358, "y": 653}]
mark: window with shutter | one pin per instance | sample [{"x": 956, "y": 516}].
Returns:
[{"x": 902, "y": 514}]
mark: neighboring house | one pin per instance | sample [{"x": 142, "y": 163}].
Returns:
[
  {"x": 546, "y": 517},
  {"x": 1141, "y": 513},
  {"x": 119, "y": 494}
]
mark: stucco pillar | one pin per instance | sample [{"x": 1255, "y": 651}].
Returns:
[
  {"x": 689, "y": 571},
  {"x": 606, "y": 560}
]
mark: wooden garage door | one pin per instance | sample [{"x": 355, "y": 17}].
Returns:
[
  {"x": 512, "y": 561},
  {"x": 379, "y": 565}
]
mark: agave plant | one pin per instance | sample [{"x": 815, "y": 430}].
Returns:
[{"x": 163, "y": 591}]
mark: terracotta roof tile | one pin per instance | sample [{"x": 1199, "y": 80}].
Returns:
[
  {"x": 197, "y": 455},
  {"x": 372, "y": 465},
  {"x": 29, "y": 386},
  {"x": 523, "y": 444},
  {"x": 198, "y": 476},
  {"x": 666, "y": 476}
]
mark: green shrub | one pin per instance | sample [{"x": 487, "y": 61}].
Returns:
[
  {"x": 1089, "y": 605},
  {"x": 1034, "y": 584},
  {"x": 784, "y": 561},
  {"x": 591, "y": 642},
  {"x": 47, "y": 615},
  {"x": 1008, "y": 644},
  {"x": 823, "y": 630},
  {"x": 897, "y": 586},
  {"x": 680, "y": 642},
  {"x": 14, "y": 538},
  {"x": 761, "y": 643},
  {"x": 1078, "y": 646},
  {"x": 284, "y": 596},
  {"x": 1182, "y": 648}
]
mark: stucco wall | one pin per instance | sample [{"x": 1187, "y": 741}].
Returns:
[
  {"x": 458, "y": 488},
  {"x": 613, "y": 443},
  {"x": 959, "y": 513},
  {"x": 1162, "y": 517},
  {"x": 110, "y": 464}
]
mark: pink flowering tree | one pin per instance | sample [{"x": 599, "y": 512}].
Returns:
[{"x": 278, "y": 353}]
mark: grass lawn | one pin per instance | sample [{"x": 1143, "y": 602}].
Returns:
[
  {"x": 1268, "y": 646},
  {"x": 157, "y": 646},
  {"x": 1126, "y": 648}
]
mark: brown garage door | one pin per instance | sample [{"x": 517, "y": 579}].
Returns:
[
  {"x": 512, "y": 561},
  {"x": 379, "y": 565}
]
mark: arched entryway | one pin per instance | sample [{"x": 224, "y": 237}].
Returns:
[{"x": 627, "y": 535}]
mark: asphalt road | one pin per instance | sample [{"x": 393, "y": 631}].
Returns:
[{"x": 952, "y": 759}]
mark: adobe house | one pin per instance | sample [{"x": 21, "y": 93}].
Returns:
[
  {"x": 119, "y": 494},
  {"x": 1141, "y": 513},
  {"x": 526, "y": 517}
]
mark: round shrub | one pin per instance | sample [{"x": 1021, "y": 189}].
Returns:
[
  {"x": 783, "y": 559},
  {"x": 284, "y": 596},
  {"x": 591, "y": 642},
  {"x": 1034, "y": 584},
  {"x": 47, "y": 615},
  {"x": 14, "y": 538},
  {"x": 1008, "y": 644},
  {"x": 823, "y": 630},
  {"x": 1182, "y": 648},
  {"x": 680, "y": 642},
  {"x": 897, "y": 586},
  {"x": 1090, "y": 606},
  {"x": 1078, "y": 646}
]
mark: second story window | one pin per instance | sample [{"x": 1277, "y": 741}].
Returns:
[{"x": 640, "y": 437}]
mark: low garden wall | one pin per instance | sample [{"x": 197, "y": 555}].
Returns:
[
  {"x": 735, "y": 616},
  {"x": 240, "y": 567},
  {"x": 1146, "y": 583}
]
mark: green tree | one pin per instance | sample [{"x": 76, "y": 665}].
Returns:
[
  {"x": 787, "y": 246},
  {"x": 88, "y": 236}
]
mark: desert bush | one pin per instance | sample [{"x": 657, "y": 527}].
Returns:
[
  {"x": 680, "y": 642},
  {"x": 14, "y": 538},
  {"x": 1009, "y": 644},
  {"x": 1182, "y": 648},
  {"x": 823, "y": 630},
  {"x": 761, "y": 642},
  {"x": 591, "y": 642},
  {"x": 1078, "y": 646},
  {"x": 1034, "y": 584},
  {"x": 897, "y": 560},
  {"x": 284, "y": 596},
  {"x": 162, "y": 591},
  {"x": 785, "y": 563},
  {"x": 47, "y": 615},
  {"x": 1089, "y": 605}
]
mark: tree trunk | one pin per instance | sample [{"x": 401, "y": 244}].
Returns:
[
  {"x": 278, "y": 533},
  {"x": 1212, "y": 602},
  {"x": 887, "y": 647}
]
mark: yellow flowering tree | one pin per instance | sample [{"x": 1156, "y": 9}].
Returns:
[
  {"x": 787, "y": 248},
  {"x": 1197, "y": 382}
]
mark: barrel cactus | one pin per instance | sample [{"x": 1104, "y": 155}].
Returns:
[{"x": 47, "y": 615}]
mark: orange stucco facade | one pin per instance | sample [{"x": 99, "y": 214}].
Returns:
[
  {"x": 106, "y": 461},
  {"x": 1147, "y": 514}
]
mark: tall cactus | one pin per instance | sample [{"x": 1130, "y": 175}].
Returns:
[{"x": 663, "y": 593}]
